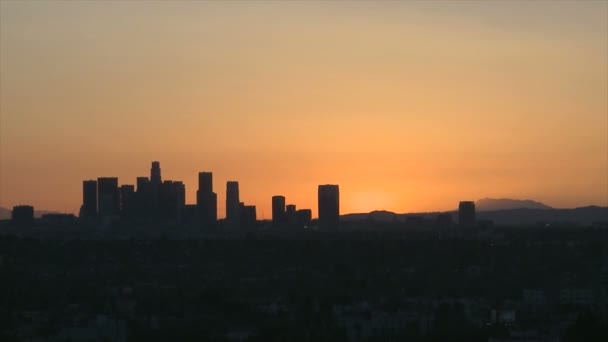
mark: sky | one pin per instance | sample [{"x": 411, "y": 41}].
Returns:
[{"x": 407, "y": 105}]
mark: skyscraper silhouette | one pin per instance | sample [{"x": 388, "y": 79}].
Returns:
[
  {"x": 290, "y": 214},
  {"x": 329, "y": 206},
  {"x": 155, "y": 176},
  {"x": 127, "y": 193},
  {"x": 206, "y": 199},
  {"x": 278, "y": 210},
  {"x": 108, "y": 198},
  {"x": 303, "y": 217},
  {"x": 142, "y": 184},
  {"x": 248, "y": 214},
  {"x": 172, "y": 200},
  {"x": 233, "y": 207},
  {"x": 89, "y": 198},
  {"x": 466, "y": 213}
]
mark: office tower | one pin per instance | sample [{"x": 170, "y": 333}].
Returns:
[
  {"x": 108, "y": 198},
  {"x": 232, "y": 203},
  {"x": 303, "y": 217},
  {"x": 172, "y": 200},
  {"x": 205, "y": 181},
  {"x": 89, "y": 198},
  {"x": 278, "y": 210},
  {"x": 155, "y": 177},
  {"x": 466, "y": 214},
  {"x": 290, "y": 214},
  {"x": 248, "y": 219},
  {"x": 142, "y": 184},
  {"x": 206, "y": 199},
  {"x": 329, "y": 206},
  {"x": 23, "y": 215},
  {"x": 142, "y": 201},
  {"x": 127, "y": 193}
]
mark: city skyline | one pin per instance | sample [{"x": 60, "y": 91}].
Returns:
[{"x": 408, "y": 106}]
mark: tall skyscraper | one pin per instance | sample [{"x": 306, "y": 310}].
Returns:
[
  {"x": 142, "y": 184},
  {"x": 127, "y": 193},
  {"x": 172, "y": 200},
  {"x": 290, "y": 214},
  {"x": 466, "y": 213},
  {"x": 278, "y": 210},
  {"x": 232, "y": 203},
  {"x": 206, "y": 199},
  {"x": 89, "y": 198},
  {"x": 108, "y": 198},
  {"x": 155, "y": 177},
  {"x": 329, "y": 206},
  {"x": 205, "y": 181},
  {"x": 248, "y": 214}
]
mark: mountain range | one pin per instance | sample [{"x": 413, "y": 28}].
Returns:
[
  {"x": 492, "y": 204},
  {"x": 502, "y": 211}
]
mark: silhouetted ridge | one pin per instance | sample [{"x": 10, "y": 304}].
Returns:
[{"x": 491, "y": 204}]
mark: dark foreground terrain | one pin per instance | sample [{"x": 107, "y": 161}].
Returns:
[{"x": 506, "y": 284}]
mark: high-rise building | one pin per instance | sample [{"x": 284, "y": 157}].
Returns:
[
  {"x": 108, "y": 198},
  {"x": 172, "y": 200},
  {"x": 248, "y": 214},
  {"x": 89, "y": 198},
  {"x": 329, "y": 206},
  {"x": 278, "y": 210},
  {"x": 206, "y": 199},
  {"x": 466, "y": 213},
  {"x": 303, "y": 217},
  {"x": 232, "y": 203},
  {"x": 205, "y": 181},
  {"x": 142, "y": 184},
  {"x": 127, "y": 193},
  {"x": 155, "y": 177},
  {"x": 290, "y": 214},
  {"x": 142, "y": 202}
]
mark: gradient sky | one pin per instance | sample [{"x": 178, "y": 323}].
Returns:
[{"x": 408, "y": 106}]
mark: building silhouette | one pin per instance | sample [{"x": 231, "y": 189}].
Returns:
[
  {"x": 466, "y": 213},
  {"x": 303, "y": 217},
  {"x": 108, "y": 198},
  {"x": 290, "y": 214},
  {"x": 206, "y": 200},
  {"x": 233, "y": 207},
  {"x": 155, "y": 177},
  {"x": 329, "y": 206},
  {"x": 248, "y": 219},
  {"x": 89, "y": 198},
  {"x": 127, "y": 197},
  {"x": 23, "y": 215},
  {"x": 278, "y": 210},
  {"x": 142, "y": 203},
  {"x": 172, "y": 200}
]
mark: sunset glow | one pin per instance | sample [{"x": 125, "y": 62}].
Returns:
[{"x": 408, "y": 106}]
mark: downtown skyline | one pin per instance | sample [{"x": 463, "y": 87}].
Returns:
[{"x": 409, "y": 107}]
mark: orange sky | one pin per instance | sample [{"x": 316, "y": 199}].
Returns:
[{"x": 408, "y": 106}]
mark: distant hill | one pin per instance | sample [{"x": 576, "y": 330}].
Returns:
[
  {"x": 493, "y": 204},
  {"x": 521, "y": 216},
  {"x": 5, "y": 214}
]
